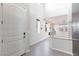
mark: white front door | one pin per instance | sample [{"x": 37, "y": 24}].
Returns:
[{"x": 14, "y": 22}]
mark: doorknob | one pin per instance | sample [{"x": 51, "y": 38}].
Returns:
[
  {"x": 2, "y": 41},
  {"x": 24, "y": 35}
]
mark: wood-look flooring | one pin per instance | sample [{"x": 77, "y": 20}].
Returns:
[{"x": 42, "y": 49}]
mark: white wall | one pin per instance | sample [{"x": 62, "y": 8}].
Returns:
[
  {"x": 55, "y": 11},
  {"x": 36, "y": 12},
  {"x": 62, "y": 45},
  {"x": 63, "y": 39}
]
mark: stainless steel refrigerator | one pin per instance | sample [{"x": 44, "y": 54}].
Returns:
[{"x": 75, "y": 28}]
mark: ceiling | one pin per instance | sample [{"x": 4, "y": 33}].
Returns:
[{"x": 57, "y": 9}]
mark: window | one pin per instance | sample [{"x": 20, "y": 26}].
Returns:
[
  {"x": 38, "y": 25},
  {"x": 45, "y": 27}
]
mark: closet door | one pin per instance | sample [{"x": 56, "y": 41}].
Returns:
[{"x": 14, "y": 22}]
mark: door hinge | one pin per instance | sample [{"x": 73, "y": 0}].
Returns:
[
  {"x": 2, "y": 22},
  {"x": 2, "y": 41},
  {"x": 1, "y": 4}
]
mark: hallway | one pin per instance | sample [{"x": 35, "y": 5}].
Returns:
[
  {"x": 42, "y": 49},
  {"x": 29, "y": 31}
]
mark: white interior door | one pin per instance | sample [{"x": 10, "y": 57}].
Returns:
[
  {"x": 14, "y": 25},
  {"x": 0, "y": 30}
]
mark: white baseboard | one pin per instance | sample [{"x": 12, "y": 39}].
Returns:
[
  {"x": 20, "y": 53},
  {"x": 38, "y": 41},
  {"x": 27, "y": 51},
  {"x": 63, "y": 51}
]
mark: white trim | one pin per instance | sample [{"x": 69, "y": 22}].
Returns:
[
  {"x": 33, "y": 43},
  {"x": 27, "y": 51},
  {"x": 20, "y": 53},
  {"x": 62, "y": 51}
]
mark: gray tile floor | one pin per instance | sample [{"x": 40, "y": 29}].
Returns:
[{"x": 42, "y": 49}]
